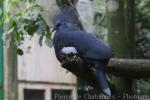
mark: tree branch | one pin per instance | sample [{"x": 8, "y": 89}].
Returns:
[{"x": 130, "y": 68}]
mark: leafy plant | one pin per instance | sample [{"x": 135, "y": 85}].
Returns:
[
  {"x": 143, "y": 39},
  {"x": 143, "y": 29},
  {"x": 26, "y": 22},
  {"x": 100, "y": 19}
]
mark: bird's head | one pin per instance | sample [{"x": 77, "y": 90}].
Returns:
[{"x": 56, "y": 24}]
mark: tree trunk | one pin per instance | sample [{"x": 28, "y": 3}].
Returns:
[
  {"x": 10, "y": 70},
  {"x": 121, "y": 37},
  {"x": 11, "y": 81}
]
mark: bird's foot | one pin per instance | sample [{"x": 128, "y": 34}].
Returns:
[
  {"x": 74, "y": 58},
  {"x": 70, "y": 58},
  {"x": 67, "y": 58}
]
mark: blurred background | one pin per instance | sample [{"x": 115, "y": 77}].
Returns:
[{"x": 34, "y": 72}]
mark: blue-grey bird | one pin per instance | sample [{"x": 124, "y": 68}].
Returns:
[{"x": 70, "y": 38}]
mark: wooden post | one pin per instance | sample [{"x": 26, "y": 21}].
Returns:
[{"x": 120, "y": 15}]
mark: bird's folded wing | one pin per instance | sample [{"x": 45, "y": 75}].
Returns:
[{"x": 86, "y": 44}]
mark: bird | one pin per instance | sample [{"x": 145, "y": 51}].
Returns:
[{"x": 71, "y": 39}]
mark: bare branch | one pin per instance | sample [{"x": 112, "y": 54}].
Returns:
[{"x": 131, "y": 68}]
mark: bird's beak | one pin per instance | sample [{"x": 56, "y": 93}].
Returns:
[{"x": 54, "y": 29}]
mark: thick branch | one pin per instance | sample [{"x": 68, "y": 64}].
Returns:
[{"x": 130, "y": 68}]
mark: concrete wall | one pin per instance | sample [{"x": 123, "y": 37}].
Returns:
[{"x": 40, "y": 64}]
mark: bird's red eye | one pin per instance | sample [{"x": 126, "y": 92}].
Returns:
[{"x": 58, "y": 24}]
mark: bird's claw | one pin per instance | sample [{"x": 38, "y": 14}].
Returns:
[
  {"x": 69, "y": 57},
  {"x": 74, "y": 58}
]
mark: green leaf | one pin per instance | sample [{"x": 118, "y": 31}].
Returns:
[
  {"x": 1, "y": 12},
  {"x": 18, "y": 38},
  {"x": 20, "y": 51},
  {"x": 40, "y": 40},
  {"x": 14, "y": 2},
  {"x": 48, "y": 33},
  {"x": 48, "y": 42}
]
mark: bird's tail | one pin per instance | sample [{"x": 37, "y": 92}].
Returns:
[{"x": 102, "y": 79}]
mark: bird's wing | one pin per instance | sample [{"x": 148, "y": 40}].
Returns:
[
  {"x": 86, "y": 44},
  {"x": 69, "y": 50}
]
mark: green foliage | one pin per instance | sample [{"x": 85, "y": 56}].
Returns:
[
  {"x": 28, "y": 21},
  {"x": 142, "y": 24},
  {"x": 100, "y": 21},
  {"x": 100, "y": 25},
  {"x": 143, "y": 39},
  {"x": 143, "y": 28}
]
